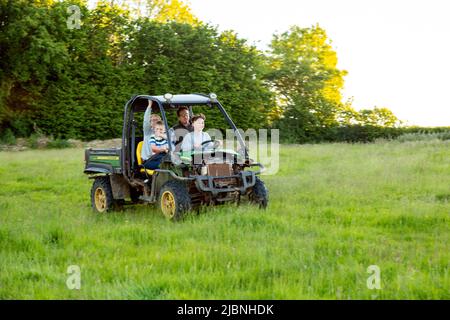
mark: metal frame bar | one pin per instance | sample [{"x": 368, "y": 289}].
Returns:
[
  {"x": 215, "y": 191},
  {"x": 126, "y": 152}
]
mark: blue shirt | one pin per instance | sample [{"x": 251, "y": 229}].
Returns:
[{"x": 157, "y": 141}]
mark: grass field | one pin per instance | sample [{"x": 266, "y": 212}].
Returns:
[{"x": 335, "y": 209}]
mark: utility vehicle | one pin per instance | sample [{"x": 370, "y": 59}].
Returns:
[{"x": 184, "y": 180}]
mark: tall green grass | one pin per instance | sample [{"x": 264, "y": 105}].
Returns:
[{"x": 334, "y": 210}]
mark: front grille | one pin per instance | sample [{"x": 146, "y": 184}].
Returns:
[{"x": 219, "y": 169}]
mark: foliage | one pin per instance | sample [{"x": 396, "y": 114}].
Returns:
[
  {"x": 171, "y": 11},
  {"x": 366, "y": 133},
  {"x": 79, "y": 80},
  {"x": 360, "y": 133},
  {"x": 73, "y": 83},
  {"x": 378, "y": 117},
  {"x": 162, "y": 11},
  {"x": 58, "y": 144},
  {"x": 304, "y": 73},
  {"x": 33, "y": 141},
  {"x": 7, "y": 137},
  {"x": 419, "y": 136}
]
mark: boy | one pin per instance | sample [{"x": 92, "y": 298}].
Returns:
[{"x": 159, "y": 146}]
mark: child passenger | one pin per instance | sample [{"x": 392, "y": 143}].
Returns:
[{"x": 159, "y": 146}]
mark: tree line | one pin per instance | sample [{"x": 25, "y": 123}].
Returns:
[{"x": 72, "y": 82}]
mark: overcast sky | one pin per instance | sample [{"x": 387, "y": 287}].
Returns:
[{"x": 397, "y": 52}]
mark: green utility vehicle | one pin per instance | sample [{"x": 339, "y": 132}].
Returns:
[{"x": 184, "y": 180}]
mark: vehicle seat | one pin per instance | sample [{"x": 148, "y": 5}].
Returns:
[{"x": 139, "y": 159}]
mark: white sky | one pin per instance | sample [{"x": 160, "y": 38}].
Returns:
[{"x": 397, "y": 52}]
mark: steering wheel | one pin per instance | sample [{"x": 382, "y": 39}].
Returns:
[{"x": 216, "y": 143}]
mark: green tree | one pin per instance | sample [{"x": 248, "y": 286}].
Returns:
[
  {"x": 378, "y": 117},
  {"x": 178, "y": 57},
  {"x": 30, "y": 58},
  {"x": 73, "y": 83},
  {"x": 171, "y": 11},
  {"x": 162, "y": 11},
  {"x": 87, "y": 99},
  {"x": 307, "y": 81}
]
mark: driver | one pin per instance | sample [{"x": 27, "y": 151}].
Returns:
[{"x": 193, "y": 140}]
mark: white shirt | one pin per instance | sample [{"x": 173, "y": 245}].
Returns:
[
  {"x": 146, "y": 151},
  {"x": 194, "y": 138}
]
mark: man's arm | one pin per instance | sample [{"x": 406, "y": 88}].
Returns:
[{"x": 147, "y": 127}]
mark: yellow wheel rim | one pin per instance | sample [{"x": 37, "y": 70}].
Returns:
[
  {"x": 100, "y": 200},
  {"x": 168, "y": 204}
]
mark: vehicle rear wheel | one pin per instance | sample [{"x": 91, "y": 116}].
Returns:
[
  {"x": 259, "y": 194},
  {"x": 174, "y": 200},
  {"x": 101, "y": 195}
]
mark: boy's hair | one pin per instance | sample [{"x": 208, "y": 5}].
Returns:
[
  {"x": 198, "y": 116},
  {"x": 159, "y": 123},
  {"x": 181, "y": 109}
]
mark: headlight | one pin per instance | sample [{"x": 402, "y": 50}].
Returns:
[
  {"x": 213, "y": 96},
  {"x": 168, "y": 96}
]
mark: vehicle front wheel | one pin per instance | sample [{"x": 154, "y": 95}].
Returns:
[
  {"x": 259, "y": 194},
  {"x": 174, "y": 200},
  {"x": 101, "y": 195}
]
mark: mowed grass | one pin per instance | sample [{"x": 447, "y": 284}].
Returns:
[{"x": 335, "y": 209}]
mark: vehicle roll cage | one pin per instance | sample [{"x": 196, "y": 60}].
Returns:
[{"x": 139, "y": 103}]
